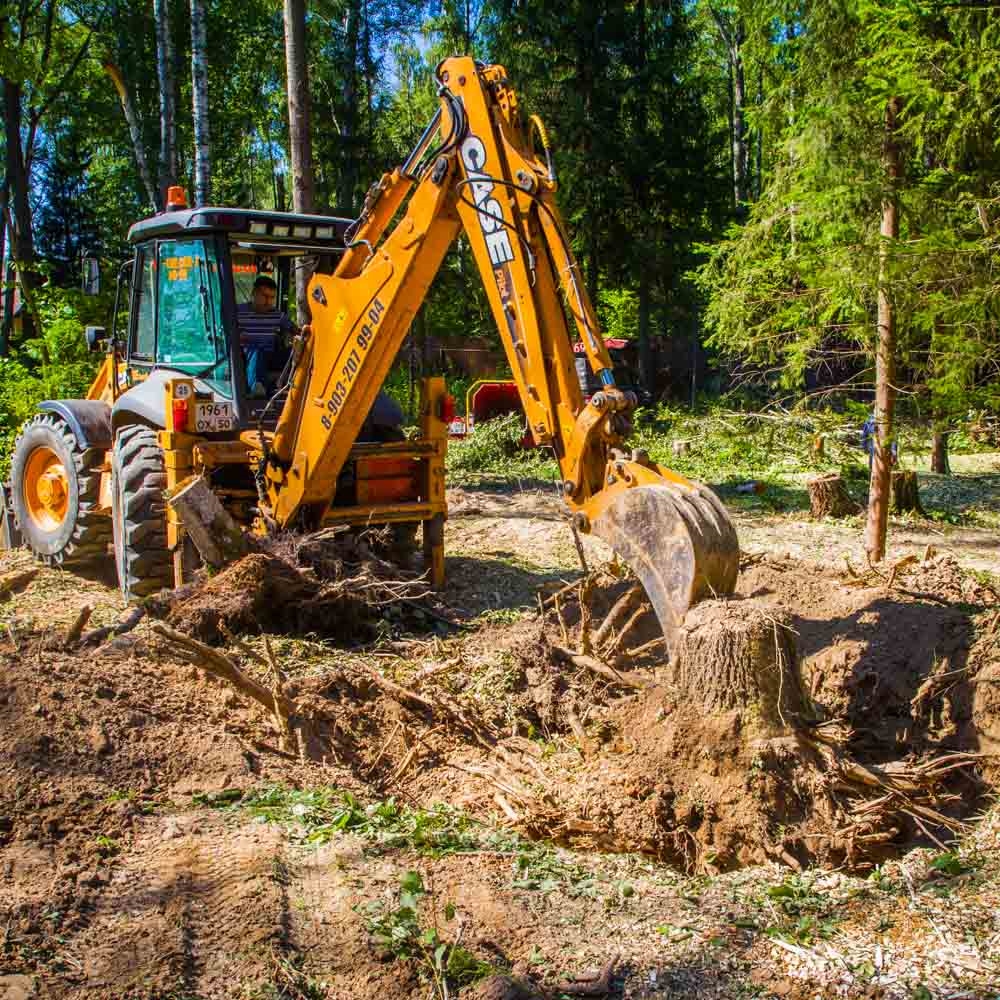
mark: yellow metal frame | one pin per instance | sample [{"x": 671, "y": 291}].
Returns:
[
  {"x": 186, "y": 454},
  {"x": 490, "y": 183}
]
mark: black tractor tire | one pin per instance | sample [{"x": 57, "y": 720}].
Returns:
[
  {"x": 78, "y": 535},
  {"x": 138, "y": 479}
]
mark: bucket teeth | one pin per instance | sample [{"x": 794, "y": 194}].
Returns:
[{"x": 679, "y": 542}]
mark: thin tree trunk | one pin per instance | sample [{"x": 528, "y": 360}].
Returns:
[
  {"x": 18, "y": 210},
  {"x": 733, "y": 35},
  {"x": 885, "y": 357},
  {"x": 168, "y": 117},
  {"x": 6, "y": 302},
  {"x": 741, "y": 191},
  {"x": 642, "y": 127},
  {"x": 939, "y": 452},
  {"x": 299, "y": 129},
  {"x": 132, "y": 119},
  {"x": 199, "y": 97},
  {"x": 758, "y": 170},
  {"x": 348, "y": 131}
]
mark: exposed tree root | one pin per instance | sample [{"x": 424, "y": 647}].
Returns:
[{"x": 293, "y": 724}]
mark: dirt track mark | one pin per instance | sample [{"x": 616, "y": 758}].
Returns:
[{"x": 195, "y": 906}]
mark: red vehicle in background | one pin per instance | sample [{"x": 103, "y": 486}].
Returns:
[{"x": 489, "y": 398}]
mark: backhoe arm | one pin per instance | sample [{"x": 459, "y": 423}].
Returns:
[{"x": 485, "y": 177}]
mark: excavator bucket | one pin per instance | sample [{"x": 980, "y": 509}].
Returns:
[{"x": 679, "y": 541}]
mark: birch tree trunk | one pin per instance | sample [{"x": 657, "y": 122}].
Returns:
[
  {"x": 5, "y": 293},
  {"x": 132, "y": 119},
  {"x": 741, "y": 151},
  {"x": 733, "y": 35},
  {"x": 885, "y": 357},
  {"x": 199, "y": 97},
  {"x": 168, "y": 116},
  {"x": 299, "y": 129}
]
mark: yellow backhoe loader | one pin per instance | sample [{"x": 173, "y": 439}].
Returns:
[{"x": 308, "y": 440}]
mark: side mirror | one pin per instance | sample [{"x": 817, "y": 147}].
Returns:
[
  {"x": 91, "y": 276},
  {"x": 94, "y": 335}
]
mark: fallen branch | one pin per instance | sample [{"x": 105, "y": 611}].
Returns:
[
  {"x": 436, "y": 706},
  {"x": 219, "y": 665},
  {"x": 596, "y": 985},
  {"x": 129, "y": 622},
  {"x": 398, "y": 693},
  {"x": 616, "y": 643},
  {"x": 15, "y": 581},
  {"x": 411, "y": 753},
  {"x": 619, "y": 609},
  {"x": 596, "y": 666},
  {"x": 646, "y": 647},
  {"x": 73, "y": 633}
]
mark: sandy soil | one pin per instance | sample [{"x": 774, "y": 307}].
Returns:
[{"x": 121, "y": 880}]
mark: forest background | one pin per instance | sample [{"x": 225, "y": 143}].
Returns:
[{"x": 749, "y": 185}]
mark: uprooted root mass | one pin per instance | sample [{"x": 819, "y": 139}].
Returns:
[{"x": 801, "y": 721}]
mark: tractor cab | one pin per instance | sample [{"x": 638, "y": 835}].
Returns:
[{"x": 212, "y": 299}]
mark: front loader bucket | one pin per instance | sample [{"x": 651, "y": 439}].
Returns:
[{"x": 678, "y": 540}]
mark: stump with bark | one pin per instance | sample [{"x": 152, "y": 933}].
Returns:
[
  {"x": 828, "y": 497},
  {"x": 905, "y": 493},
  {"x": 734, "y": 656},
  {"x": 217, "y": 537}
]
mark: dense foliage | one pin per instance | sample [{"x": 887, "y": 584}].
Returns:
[{"x": 720, "y": 166}]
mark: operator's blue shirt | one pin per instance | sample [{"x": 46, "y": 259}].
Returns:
[
  {"x": 260, "y": 337},
  {"x": 261, "y": 331}
]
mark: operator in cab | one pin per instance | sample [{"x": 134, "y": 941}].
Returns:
[{"x": 265, "y": 335}]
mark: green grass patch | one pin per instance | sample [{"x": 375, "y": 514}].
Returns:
[{"x": 318, "y": 815}]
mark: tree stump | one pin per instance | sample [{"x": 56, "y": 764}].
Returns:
[
  {"x": 828, "y": 497},
  {"x": 906, "y": 493},
  {"x": 731, "y": 655},
  {"x": 939, "y": 453},
  {"x": 216, "y": 536}
]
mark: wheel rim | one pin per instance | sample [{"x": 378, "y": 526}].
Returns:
[{"x": 46, "y": 489}]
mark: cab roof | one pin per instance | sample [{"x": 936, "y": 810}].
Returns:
[{"x": 324, "y": 231}]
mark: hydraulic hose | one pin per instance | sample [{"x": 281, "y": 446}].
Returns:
[{"x": 543, "y": 134}]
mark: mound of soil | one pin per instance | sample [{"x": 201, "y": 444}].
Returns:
[
  {"x": 331, "y": 584},
  {"x": 694, "y": 780},
  {"x": 262, "y": 593}
]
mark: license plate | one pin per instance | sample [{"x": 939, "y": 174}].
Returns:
[{"x": 212, "y": 417}]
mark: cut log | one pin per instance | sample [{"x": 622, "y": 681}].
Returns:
[
  {"x": 734, "y": 656},
  {"x": 828, "y": 497},
  {"x": 216, "y": 536},
  {"x": 906, "y": 493}
]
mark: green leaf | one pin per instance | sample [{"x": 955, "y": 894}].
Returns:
[{"x": 412, "y": 882}]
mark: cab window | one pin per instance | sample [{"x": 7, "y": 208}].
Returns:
[
  {"x": 144, "y": 334},
  {"x": 190, "y": 335}
]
